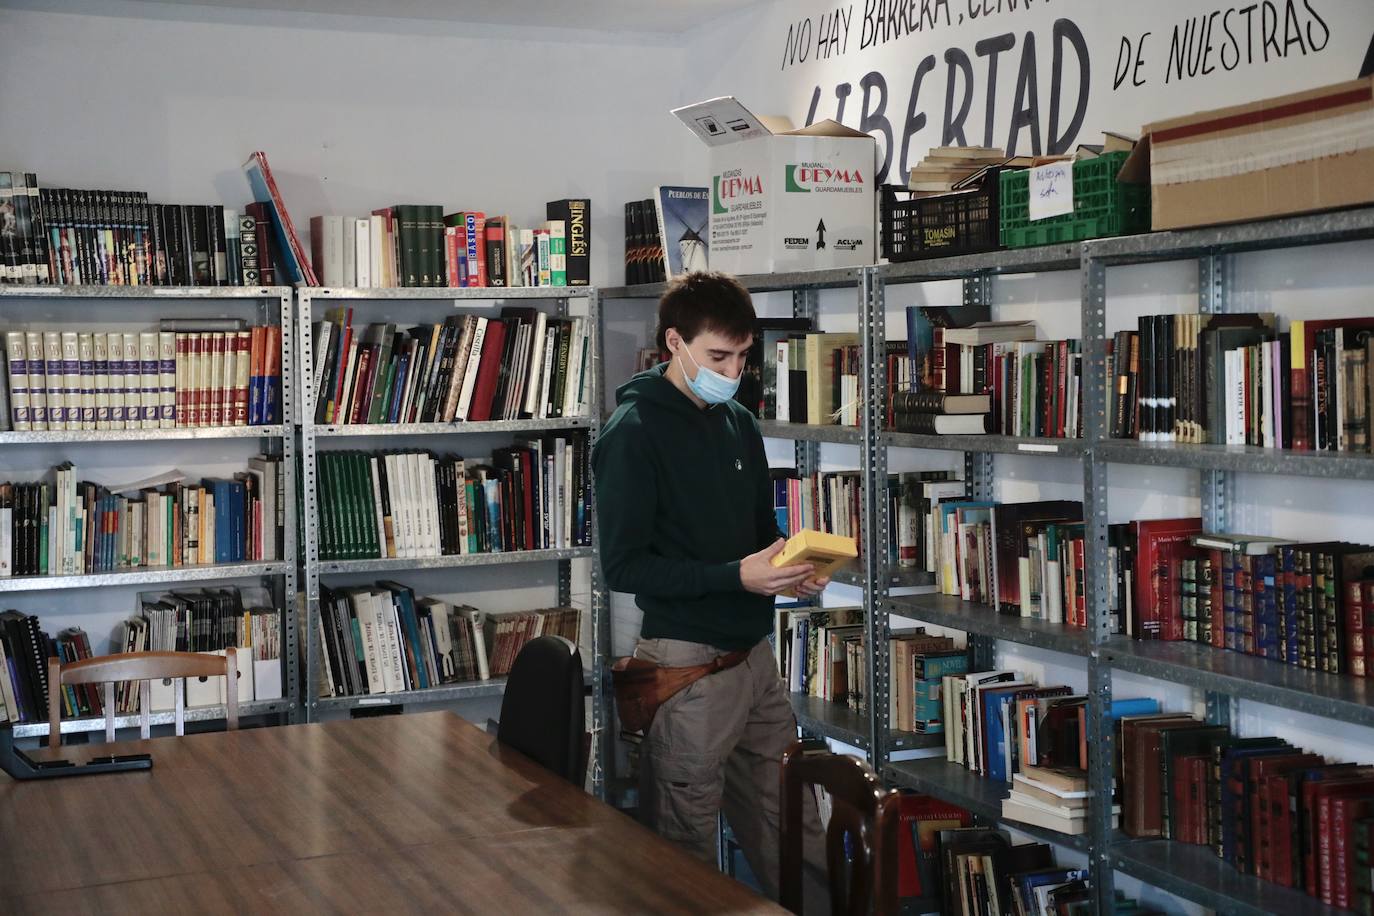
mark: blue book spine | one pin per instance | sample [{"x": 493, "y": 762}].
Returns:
[
  {"x": 1267, "y": 644},
  {"x": 1288, "y": 557},
  {"x": 1134, "y": 706},
  {"x": 492, "y": 491},
  {"x": 994, "y": 707},
  {"x": 413, "y": 636},
  {"x": 928, "y": 707},
  {"x": 398, "y": 387},
  {"x": 239, "y": 493},
  {"x": 937, "y": 666}
]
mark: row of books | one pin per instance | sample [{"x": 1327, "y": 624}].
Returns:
[
  {"x": 74, "y": 527},
  {"x": 644, "y": 254},
  {"x": 206, "y": 620},
  {"x": 530, "y": 496},
  {"x": 420, "y": 245},
  {"x": 826, "y": 502},
  {"x": 983, "y": 872},
  {"x": 120, "y": 238},
  {"x": 524, "y": 364},
  {"x": 809, "y": 377},
  {"x": 1235, "y": 379},
  {"x": 165, "y": 379},
  {"x": 1265, "y": 807},
  {"x": 386, "y": 639},
  {"x": 1305, "y": 604}
]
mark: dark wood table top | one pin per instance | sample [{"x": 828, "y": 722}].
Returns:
[{"x": 397, "y": 814}]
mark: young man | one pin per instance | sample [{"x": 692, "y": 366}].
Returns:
[{"x": 687, "y": 525}]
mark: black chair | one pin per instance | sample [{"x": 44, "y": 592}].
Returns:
[
  {"x": 863, "y": 872},
  {"x": 543, "y": 712}
]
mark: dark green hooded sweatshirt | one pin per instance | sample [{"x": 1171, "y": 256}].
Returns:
[{"x": 682, "y": 495}]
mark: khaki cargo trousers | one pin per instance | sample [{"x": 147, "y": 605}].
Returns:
[{"x": 717, "y": 746}]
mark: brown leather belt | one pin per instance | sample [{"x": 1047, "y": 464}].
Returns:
[{"x": 641, "y": 687}]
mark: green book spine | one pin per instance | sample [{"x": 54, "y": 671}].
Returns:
[
  {"x": 409, "y": 231},
  {"x": 43, "y": 530},
  {"x": 558, "y": 253},
  {"x": 370, "y": 506},
  {"x": 325, "y": 505},
  {"x": 382, "y": 385},
  {"x": 355, "y": 495},
  {"x": 438, "y": 271},
  {"x": 388, "y": 383}
]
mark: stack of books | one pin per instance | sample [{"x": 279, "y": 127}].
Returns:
[
  {"x": 1052, "y": 797},
  {"x": 944, "y": 167}
]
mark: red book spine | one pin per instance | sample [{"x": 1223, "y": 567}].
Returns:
[
  {"x": 460, "y": 239},
  {"x": 200, "y": 368},
  {"x": 1062, "y": 389},
  {"x": 343, "y": 367},
  {"x": 355, "y": 405},
  {"x": 1338, "y": 862},
  {"x": 938, "y": 375},
  {"x": 1218, "y": 601},
  {"x": 1354, "y": 610},
  {"x": 1368, "y": 590},
  {"x": 488, "y": 371},
  {"x": 219, "y": 347},
  {"x": 451, "y": 255},
  {"x": 1324, "y": 852}
]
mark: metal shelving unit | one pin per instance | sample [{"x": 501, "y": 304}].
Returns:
[
  {"x": 312, "y": 434},
  {"x": 1188, "y": 871},
  {"x": 273, "y": 306},
  {"x": 982, "y": 620}
]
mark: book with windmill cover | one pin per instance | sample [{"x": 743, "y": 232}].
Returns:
[{"x": 683, "y": 214}]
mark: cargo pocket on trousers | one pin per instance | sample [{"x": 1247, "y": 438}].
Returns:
[{"x": 687, "y": 797}]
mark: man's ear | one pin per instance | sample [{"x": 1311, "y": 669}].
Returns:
[{"x": 672, "y": 338}]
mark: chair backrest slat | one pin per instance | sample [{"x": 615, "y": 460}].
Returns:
[
  {"x": 863, "y": 878},
  {"x": 140, "y": 667}
]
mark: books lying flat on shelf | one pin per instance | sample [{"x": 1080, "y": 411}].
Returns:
[
  {"x": 228, "y": 374},
  {"x": 1234, "y": 379},
  {"x": 524, "y": 364},
  {"x": 530, "y": 496},
  {"x": 386, "y": 639},
  {"x": 946, "y": 166},
  {"x": 73, "y": 527}
]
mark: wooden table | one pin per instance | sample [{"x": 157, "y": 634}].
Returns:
[{"x": 399, "y": 814}]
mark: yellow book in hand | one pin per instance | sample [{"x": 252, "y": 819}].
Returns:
[{"x": 828, "y": 553}]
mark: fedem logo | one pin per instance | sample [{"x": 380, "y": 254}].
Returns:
[
  {"x": 805, "y": 177},
  {"x": 731, "y": 186}
]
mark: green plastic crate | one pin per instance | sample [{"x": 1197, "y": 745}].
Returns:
[{"x": 1101, "y": 206}]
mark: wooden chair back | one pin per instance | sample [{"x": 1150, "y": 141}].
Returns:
[
  {"x": 862, "y": 878},
  {"x": 141, "y": 667}
]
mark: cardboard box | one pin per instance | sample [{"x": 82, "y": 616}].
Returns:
[
  {"x": 1307, "y": 151},
  {"x": 785, "y": 199}
]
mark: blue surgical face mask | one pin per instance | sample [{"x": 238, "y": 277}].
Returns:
[{"x": 709, "y": 385}]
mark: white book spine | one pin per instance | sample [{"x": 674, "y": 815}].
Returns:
[
  {"x": 167, "y": 379},
  {"x": 571, "y": 383},
  {"x": 114, "y": 352},
  {"x": 71, "y": 377},
  {"x": 396, "y": 673},
  {"x": 542, "y": 407},
  {"x": 536, "y": 364},
  {"x": 348, "y": 250},
  {"x": 460, "y": 472},
  {"x": 100, "y": 350},
  {"x": 431, "y": 505},
  {"x": 322, "y": 336},
  {"x": 362, "y": 252},
  {"x": 377, "y": 250},
  {"x": 470, "y": 372},
  {"x": 56, "y": 380},
  {"x": 407, "y": 492},
  {"x": 17, "y": 354},
  {"x": 133, "y": 383},
  {"x": 150, "y": 389},
  {"x": 38, "y": 385},
  {"x": 85, "y": 348},
  {"x": 1267, "y": 374}
]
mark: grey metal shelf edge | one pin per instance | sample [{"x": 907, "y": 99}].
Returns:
[
  {"x": 1002, "y": 445},
  {"x": 479, "y": 293},
  {"x": 145, "y": 575},
  {"x": 1332, "y": 696},
  {"x": 1239, "y": 459},
  {"x": 1185, "y": 244},
  {"x": 965, "y": 788},
  {"x": 76, "y": 436},
  {"x": 444, "y": 693},
  {"x": 452, "y": 429},
  {"x": 386, "y": 564},
  {"x": 807, "y": 432},
  {"x": 1196, "y": 873},
  {"x": 949, "y": 611},
  {"x": 1058, "y": 257},
  {"x": 165, "y": 717},
  {"x": 829, "y": 278},
  {"x": 145, "y": 292},
  {"x": 839, "y": 722},
  {"x": 897, "y": 578}
]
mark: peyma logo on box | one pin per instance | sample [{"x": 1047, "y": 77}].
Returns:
[
  {"x": 733, "y": 186},
  {"x": 805, "y": 177}
]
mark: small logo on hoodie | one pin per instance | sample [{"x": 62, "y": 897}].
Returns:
[{"x": 739, "y": 465}]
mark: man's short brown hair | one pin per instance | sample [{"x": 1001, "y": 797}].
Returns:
[{"x": 706, "y": 301}]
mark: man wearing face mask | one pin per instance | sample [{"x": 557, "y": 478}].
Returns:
[{"x": 687, "y": 525}]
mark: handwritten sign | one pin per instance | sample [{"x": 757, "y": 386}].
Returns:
[{"x": 1051, "y": 190}]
